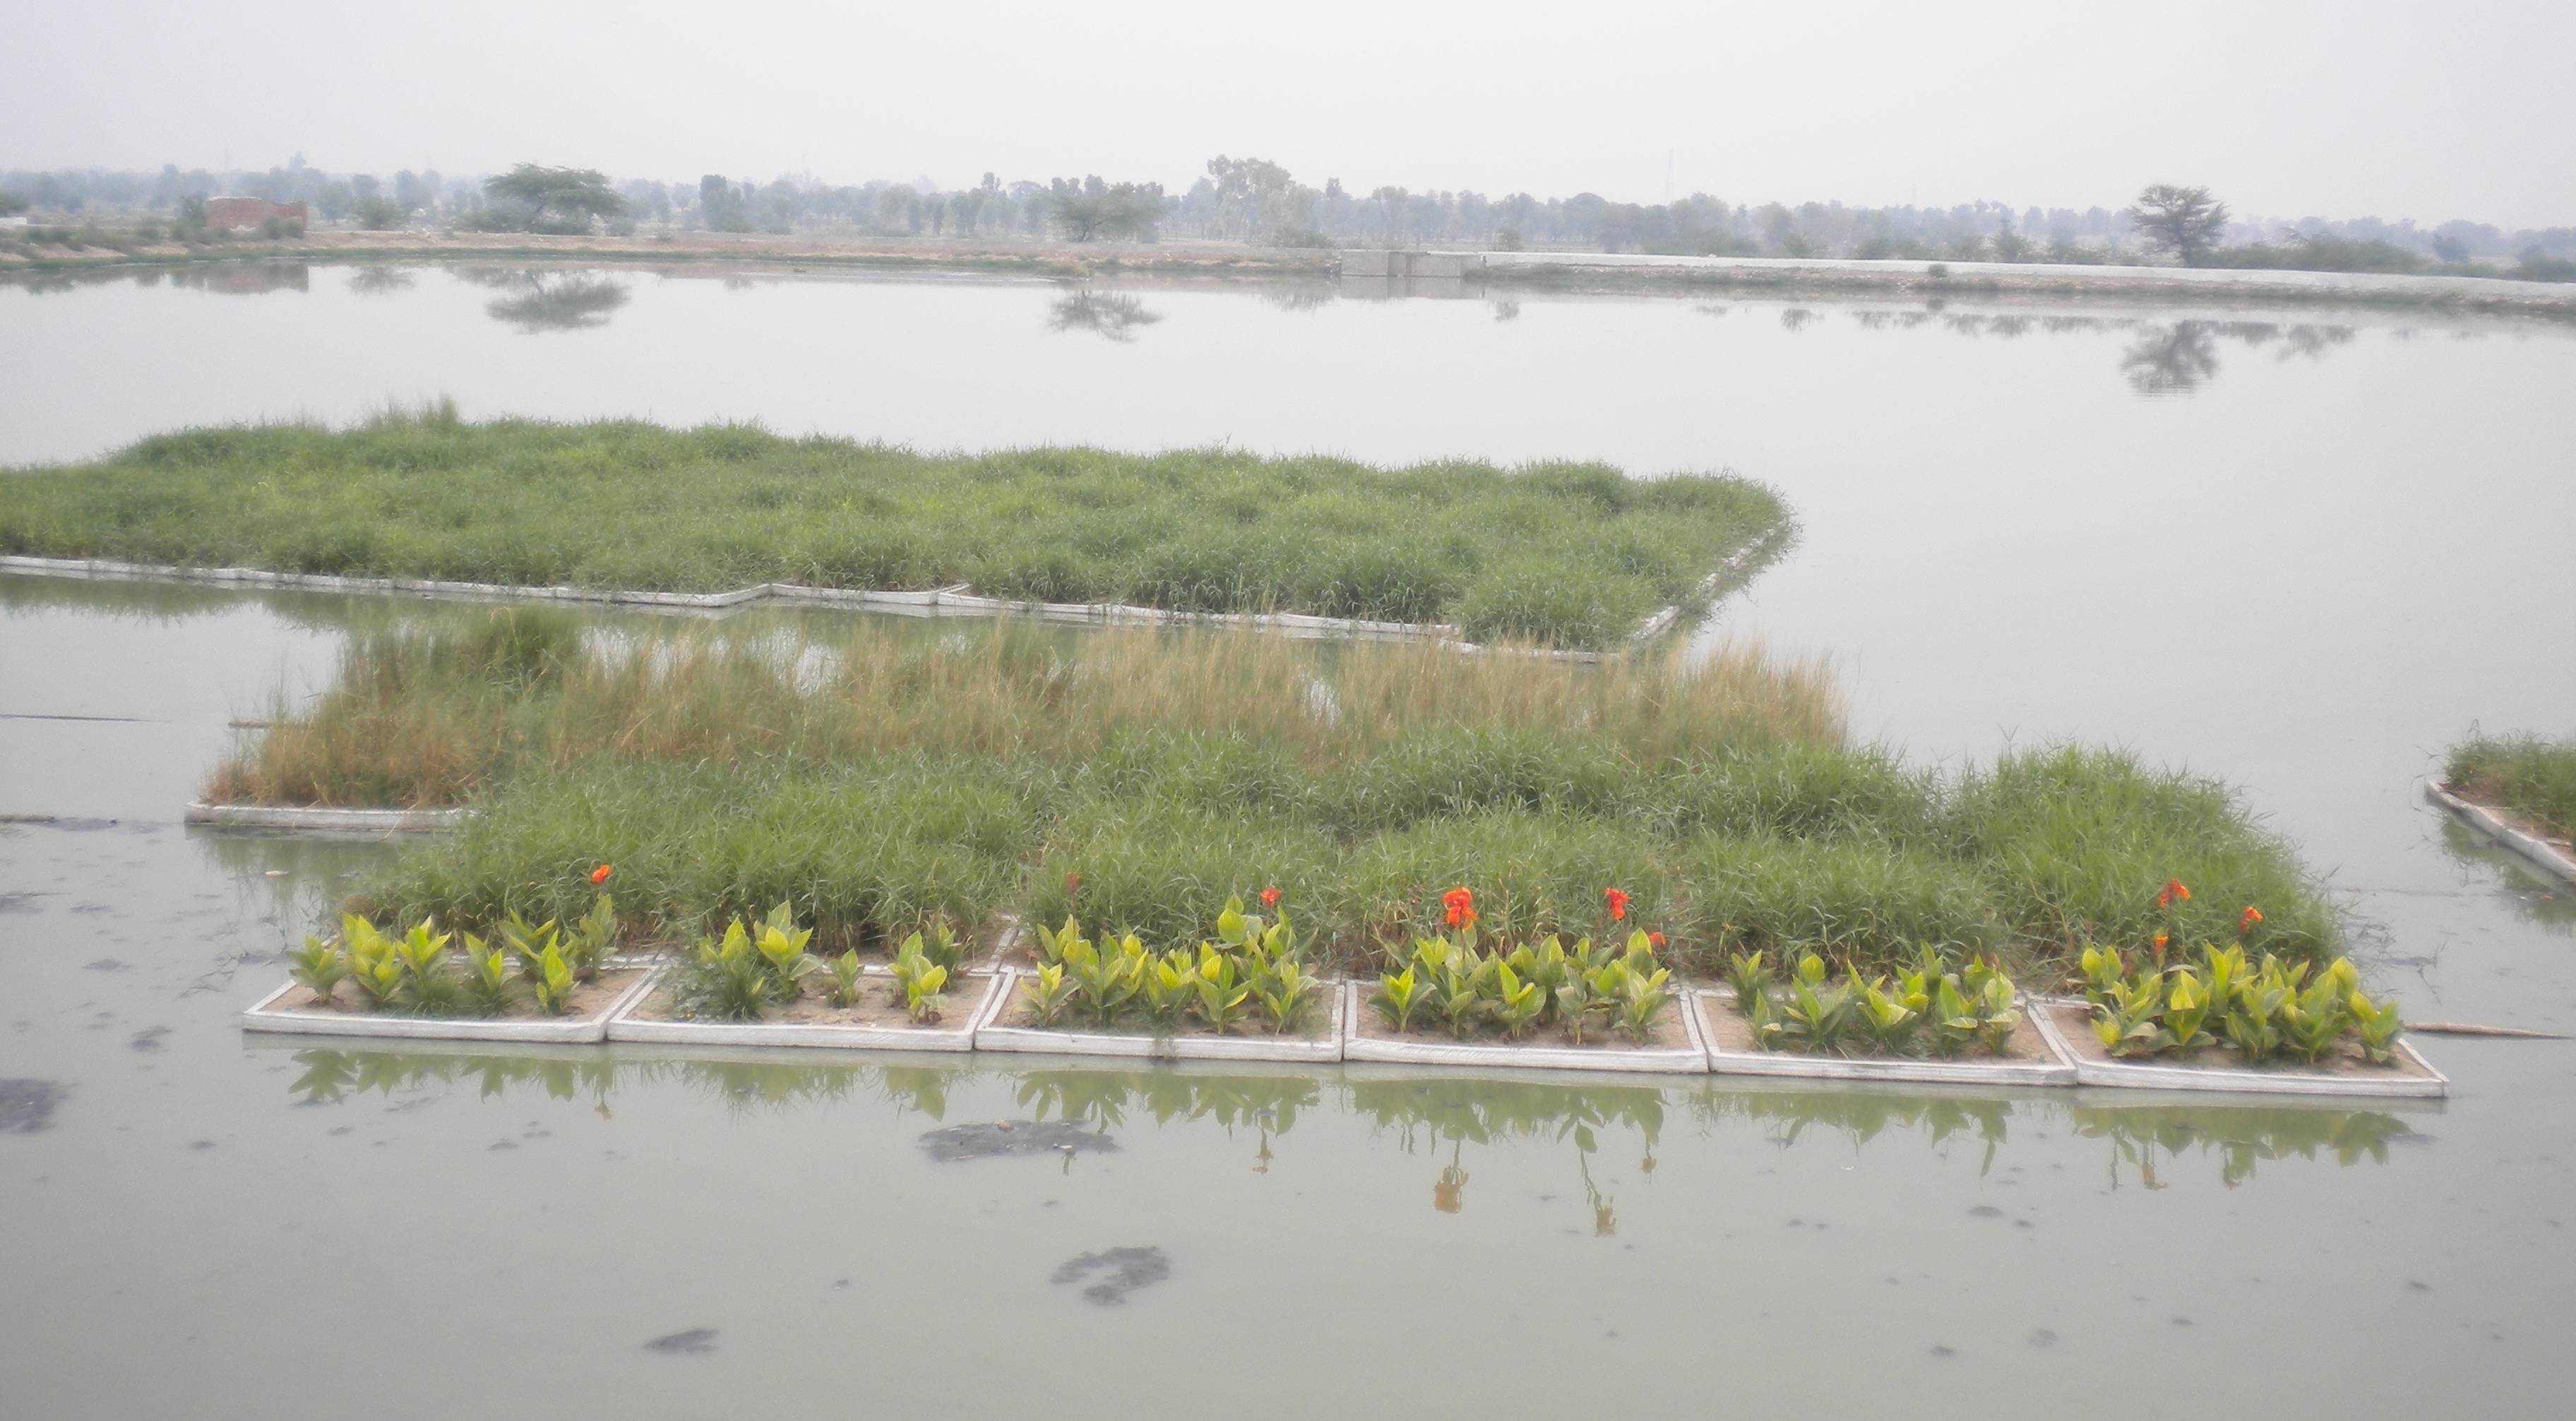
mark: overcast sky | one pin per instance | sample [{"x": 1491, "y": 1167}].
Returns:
[{"x": 2287, "y": 109}]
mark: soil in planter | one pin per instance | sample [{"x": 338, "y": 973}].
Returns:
[
  {"x": 2074, "y": 1021},
  {"x": 880, "y": 1004},
  {"x": 2516, "y": 819},
  {"x": 1729, "y": 1031},
  {"x": 588, "y": 999},
  {"x": 1669, "y": 1034}
]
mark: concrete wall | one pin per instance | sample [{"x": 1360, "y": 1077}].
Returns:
[{"x": 1373, "y": 261}]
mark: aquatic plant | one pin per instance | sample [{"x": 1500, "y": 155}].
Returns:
[
  {"x": 2528, "y": 774},
  {"x": 1251, "y": 971},
  {"x": 318, "y": 966},
  {"x": 1932, "y": 1008},
  {"x": 2274, "y": 1008},
  {"x": 1572, "y": 553},
  {"x": 1534, "y": 986}
]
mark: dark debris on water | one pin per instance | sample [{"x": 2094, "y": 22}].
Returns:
[
  {"x": 1014, "y": 1137},
  {"x": 1128, "y": 1270},
  {"x": 27, "y": 1106}
]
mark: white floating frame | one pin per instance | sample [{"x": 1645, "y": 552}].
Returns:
[
  {"x": 990, "y": 1035},
  {"x": 266, "y": 1015},
  {"x": 1690, "y": 1060},
  {"x": 627, "y": 1025}
]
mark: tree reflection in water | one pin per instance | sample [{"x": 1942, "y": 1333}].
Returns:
[
  {"x": 539, "y": 300},
  {"x": 1112, "y": 315},
  {"x": 2171, "y": 360}
]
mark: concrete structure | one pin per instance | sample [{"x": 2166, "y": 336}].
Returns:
[{"x": 229, "y": 212}]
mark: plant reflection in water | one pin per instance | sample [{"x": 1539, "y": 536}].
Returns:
[{"x": 2144, "y": 1141}]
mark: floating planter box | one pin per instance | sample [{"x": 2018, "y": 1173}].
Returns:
[
  {"x": 2554, "y": 858},
  {"x": 294, "y": 1008},
  {"x": 2030, "y": 1056},
  {"x": 1678, "y": 1048},
  {"x": 875, "y": 1024},
  {"x": 2068, "y": 1026},
  {"x": 316, "y": 820},
  {"x": 1006, "y": 1027}
]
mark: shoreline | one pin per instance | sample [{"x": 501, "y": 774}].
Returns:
[{"x": 1447, "y": 270}]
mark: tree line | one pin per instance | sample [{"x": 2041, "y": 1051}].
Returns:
[{"x": 1258, "y": 201}]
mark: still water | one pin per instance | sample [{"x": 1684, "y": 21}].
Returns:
[{"x": 2300, "y": 549}]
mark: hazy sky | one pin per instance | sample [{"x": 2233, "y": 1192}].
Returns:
[{"x": 2334, "y": 109}]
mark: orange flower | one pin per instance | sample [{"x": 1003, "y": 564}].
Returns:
[
  {"x": 1657, "y": 939},
  {"x": 600, "y": 874},
  {"x": 1458, "y": 905},
  {"x": 2173, "y": 892},
  {"x": 2246, "y": 920},
  {"x": 1270, "y": 896},
  {"x": 1618, "y": 903},
  {"x": 2160, "y": 942}
]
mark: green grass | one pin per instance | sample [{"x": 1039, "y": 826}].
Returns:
[
  {"x": 1140, "y": 779},
  {"x": 2527, "y": 774},
  {"x": 1573, "y": 554}
]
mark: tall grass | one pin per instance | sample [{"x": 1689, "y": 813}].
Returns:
[
  {"x": 1139, "y": 779},
  {"x": 2526, "y": 773},
  {"x": 431, "y": 714},
  {"x": 1574, "y": 554}
]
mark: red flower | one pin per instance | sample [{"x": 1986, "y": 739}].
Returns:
[
  {"x": 1270, "y": 896},
  {"x": 599, "y": 874},
  {"x": 1072, "y": 885},
  {"x": 2246, "y": 920},
  {"x": 2173, "y": 892},
  {"x": 1655, "y": 938},
  {"x": 1618, "y": 903},
  {"x": 1459, "y": 906}
]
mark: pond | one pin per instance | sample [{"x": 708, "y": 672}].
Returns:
[{"x": 2302, "y": 549}]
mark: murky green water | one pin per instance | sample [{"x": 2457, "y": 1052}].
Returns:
[{"x": 2307, "y": 572}]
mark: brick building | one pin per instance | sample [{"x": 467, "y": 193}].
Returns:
[{"x": 250, "y": 211}]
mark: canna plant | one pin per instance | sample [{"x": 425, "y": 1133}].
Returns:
[
  {"x": 319, "y": 967},
  {"x": 1399, "y": 995},
  {"x": 554, "y": 982},
  {"x": 372, "y": 964},
  {"x": 1516, "y": 1003},
  {"x": 920, "y": 981},
  {"x": 1224, "y": 994},
  {"x": 725, "y": 978},
  {"x": 487, "y": 977},
  {"x": 1168, "y": 982},
  {"x": 1049, "y": 992},
  {"x": 781, "y": 945},
  {"x": 846, "y": 971},
  {"x": 2377, "y": 1026},
  {"x": 1929, "y": 1009},
  {"x": 427, "y": 986},
  {"x": 585, "y": 945}
]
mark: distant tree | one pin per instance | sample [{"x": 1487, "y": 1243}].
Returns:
[
  {"x": 2185, "y": 221},
  {"x": 2450, "y": 249},
  {"x": 379, "y": 213},
  {"x": 411, "y": 193},
  {"x": 574, "y": 195},
  {"x": 1091, "y": 210},
  {"x": 720, "y": 206},
  {"x": 11, "y": 204},
  {"x": 2011, "y": 246}
]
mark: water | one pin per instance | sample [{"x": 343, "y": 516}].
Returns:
[{"x": 2307, "y": 571}]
